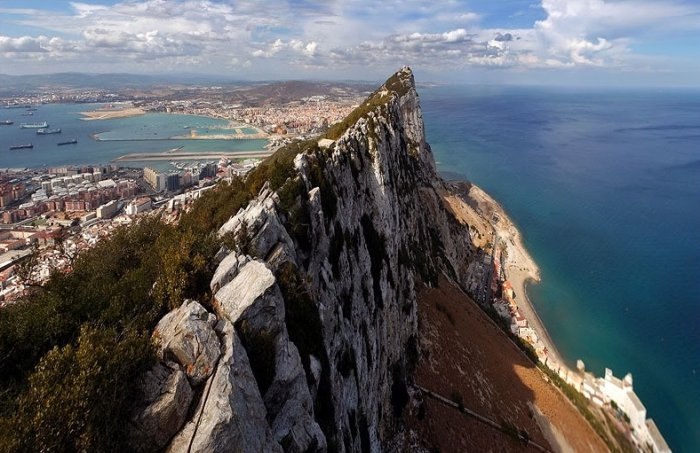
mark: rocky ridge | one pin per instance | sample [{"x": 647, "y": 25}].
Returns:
[{"x": 312, "y": 334}]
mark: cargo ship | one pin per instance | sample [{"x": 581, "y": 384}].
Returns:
[
  {"x": 68, "y": 142},
  {"x": 6, "y": 122},
  {"x": 27, "y": 146},
  {"x": 34, "y": 125},
  {"x": 44, "y": 131}
]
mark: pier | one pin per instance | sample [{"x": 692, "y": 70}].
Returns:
[{"x": 202, "y": 155}]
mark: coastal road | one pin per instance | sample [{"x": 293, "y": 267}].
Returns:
[{"x": 202, "y": 155}]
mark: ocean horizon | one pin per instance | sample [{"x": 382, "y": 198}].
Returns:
[{"x": 603, "y": 187}]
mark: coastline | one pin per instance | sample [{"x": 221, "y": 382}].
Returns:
[
  {"x": 237, "y": 127},
  {"x": 477, "y": 208},
  {"x": 508, "y": 266}
]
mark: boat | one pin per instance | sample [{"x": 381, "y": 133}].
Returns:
[
  {"x": 6, "y": 122},
  {"x": 28, "y": 114},
  {"x": 68, "y": 142},
  {"x": 34, "y": 125},
  {"x": 44, "y": 131},
  {"x": 27, "y": 146}
]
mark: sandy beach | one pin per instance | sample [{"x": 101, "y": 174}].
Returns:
[{"x": 479, "y": 210}]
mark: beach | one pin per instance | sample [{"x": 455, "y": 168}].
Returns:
[{"x": 493, "y": 226}]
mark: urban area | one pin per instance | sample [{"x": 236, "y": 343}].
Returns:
[{"x": 74, "y": 206}]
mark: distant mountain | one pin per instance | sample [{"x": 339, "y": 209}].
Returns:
[
  {"x": 12, "y": 85},
  {"x": 255, "y": 93}
]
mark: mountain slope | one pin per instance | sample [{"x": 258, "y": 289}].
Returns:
[{"x": 316, "y": 336}]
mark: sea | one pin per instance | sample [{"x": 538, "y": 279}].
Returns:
[
  {"x": 604, "y": 186},
  {"x": 99, "y": 142}
]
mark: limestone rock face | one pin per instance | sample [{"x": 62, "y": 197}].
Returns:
[
  {"x": 262, "y": 226},
  {"x": 318, "y": 328},
  {"x": 253, "y": 301},
  {"x": 226, "y": 270},
  {"x": 187, "y": 337},
  {"x": 167, "y": 398},
  {"x": 230, "y": 415}
]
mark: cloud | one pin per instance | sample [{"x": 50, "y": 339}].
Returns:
[
  {"x": 22, "y": 44},
  {"x": 598, "y": 32},
  {"x": 299, "y": 35}
]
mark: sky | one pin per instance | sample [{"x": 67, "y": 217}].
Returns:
[{"x": 552, "y": 42}]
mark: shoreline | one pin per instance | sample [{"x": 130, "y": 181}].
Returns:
[
  {"x": 520, "y": 270},
  {"x": 477, "y": 208},
  {"x": 236, "y": 126}
]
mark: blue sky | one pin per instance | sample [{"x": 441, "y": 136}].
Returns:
[{"x": 563, "y": 42}]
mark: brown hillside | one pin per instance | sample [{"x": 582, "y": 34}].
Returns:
[{"x": 466, "y": 357}]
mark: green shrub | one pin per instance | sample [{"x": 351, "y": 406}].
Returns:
[{"x": 79, "y": 397}]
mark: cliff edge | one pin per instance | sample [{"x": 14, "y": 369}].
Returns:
[{"x": 312, "y": 341}]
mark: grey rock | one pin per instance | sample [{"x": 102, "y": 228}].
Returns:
[
  {"x": 187, "y": 336},
  {"x": 167, "y": 398},
  {"x": 253, "y": 300},
  {"x": 231, "y": 415},
  {"x": 264, "y": 227},
  {"x": 226, "y": 270}
]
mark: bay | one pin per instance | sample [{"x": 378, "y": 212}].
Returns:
[
  {"x": 604, "y": 188},
  {"x": 101, "y": 141}
]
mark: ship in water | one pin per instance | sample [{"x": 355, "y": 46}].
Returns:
[
  {"x": 6, "y": 122},
  {"x": 68, "y": 142},
  {"x": 27, "y": 146},
  {"x": 34, "y": 125},
  {"x": 44, "y": 131}
]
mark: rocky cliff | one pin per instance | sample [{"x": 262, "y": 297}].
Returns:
[{"x": 312, "y": 333}]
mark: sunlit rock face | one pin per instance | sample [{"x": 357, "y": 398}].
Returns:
[{"x": 317, "y": 330}]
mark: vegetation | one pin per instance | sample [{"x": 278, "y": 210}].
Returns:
[
  {"x": 71, "y": 351},
  {"x": 394, "y": 86}
]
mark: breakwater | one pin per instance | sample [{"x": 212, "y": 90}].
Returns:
[{"x": 201, "y": 155}]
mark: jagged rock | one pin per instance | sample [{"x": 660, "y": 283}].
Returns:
[
  {"x": 187, "y": 336},
  {"x": 253, "y": 301},
  {"x": 226, "y": 270},
  {"x": 167, "y": 398},
  {"x": 376, "y": 223},
  {"x": 230, "y": 415},
  {"x": 263, "y": 227},
  {"x": 252, "y": 289}
]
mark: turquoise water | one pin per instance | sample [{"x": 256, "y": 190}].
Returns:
[
  {"x": 605, "y": 188},
  {"x": 145, "y": 133}
]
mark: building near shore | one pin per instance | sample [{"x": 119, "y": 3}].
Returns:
[
  {"x": 143, "y": 204},
  {"x": 107, "y": 210}
]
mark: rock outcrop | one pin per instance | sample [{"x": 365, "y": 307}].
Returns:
[
  {"x": 230, "y": 415},
  {"x": 317, "y": 329},
  {"x": 187, "y": 337}
]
